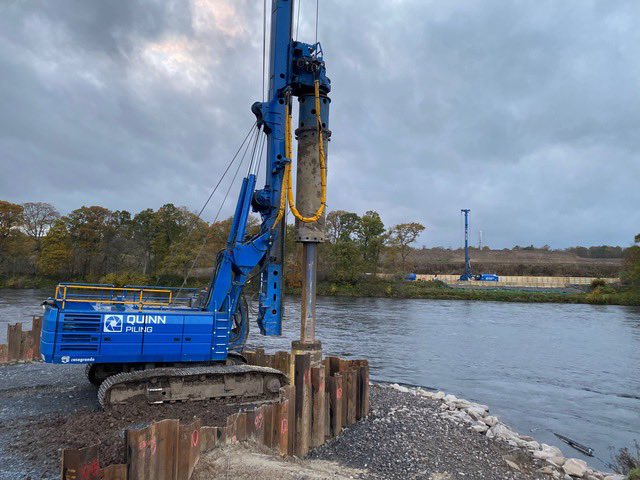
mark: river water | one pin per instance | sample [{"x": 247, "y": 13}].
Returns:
[{"x": 542, "y": 368}]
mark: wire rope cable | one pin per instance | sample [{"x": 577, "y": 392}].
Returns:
[
  {"x": 246, "y": 144},
  {"x": 254, "y": 160},
  {"x": 198, "y": 216}
]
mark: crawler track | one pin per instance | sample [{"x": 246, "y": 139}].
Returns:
[{"x": 229, "y": 383}]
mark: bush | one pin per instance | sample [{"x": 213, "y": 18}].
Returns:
[
  {"x": 435, "y": 284},
  {"x": 122, "y": 279},
  {"x": 628, "y": 462},
  {"x": 598, "y": 282}
]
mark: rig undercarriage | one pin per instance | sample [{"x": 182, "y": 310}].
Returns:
[{"x": 229, "y": 383}]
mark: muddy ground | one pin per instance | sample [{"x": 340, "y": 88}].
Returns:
[
  {"x": 47, "y": 407},
  {"x": 44, "y": 408}
]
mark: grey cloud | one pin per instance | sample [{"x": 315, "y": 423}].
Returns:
[{"x": 527, "y": 113}]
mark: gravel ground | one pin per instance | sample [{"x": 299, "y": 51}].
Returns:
[
  {"x": 29, "y": 393},
  {"x": 403, "y": 438},
  {"x": 45, "y": 407}
]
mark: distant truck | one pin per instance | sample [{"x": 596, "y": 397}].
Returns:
[{"x": 487, "y": 277}]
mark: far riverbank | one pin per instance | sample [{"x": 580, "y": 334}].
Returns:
[
  {"x": 379, "y": 288},
  {"x": 387, "y": 288}
]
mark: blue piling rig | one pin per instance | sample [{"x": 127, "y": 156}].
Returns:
[{"x": 120, "y": 327}]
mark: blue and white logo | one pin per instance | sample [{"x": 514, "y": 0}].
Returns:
[{"x": 113, "y": 323}]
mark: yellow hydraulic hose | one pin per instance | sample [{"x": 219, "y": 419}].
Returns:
[{"x": 287, "y": 184}]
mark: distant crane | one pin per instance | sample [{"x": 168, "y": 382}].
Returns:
[{"x": 467, "y": 275}]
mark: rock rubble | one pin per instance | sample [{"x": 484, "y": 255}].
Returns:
[{"x": 476, "y": 417}]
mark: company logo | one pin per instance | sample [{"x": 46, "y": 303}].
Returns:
[
  {"x": 83, "y": 360},
  {"x": 68, "y": 359},
  {"x": 132, "y": 323},
  {"x": 113, "y": 323}
]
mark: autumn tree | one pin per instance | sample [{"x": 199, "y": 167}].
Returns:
[
  {"x": 186, "y": 249},
  {"x": 340, "y": 258},
  {"x": 15, "y": 247},
  {"x": 10, "y": 219},
  {"x": 370, "y": 234},
  {"x": 168, "y": 225},
  {"x": 142, "y": 233},
  {"x": 118, "y": 253},
  {"x": 341, "y": 225},
  {"x": 402, "y": 236},
  {"x": 56, "y": 252},
  {"x": 631, "y": 265},
  {"x": 87, "y": 227},
  {"x": 38, "y": 218}
]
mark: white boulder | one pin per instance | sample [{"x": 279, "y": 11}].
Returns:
[
  {"x": 558, "y": 461},
  {"x": 490, "y": 420},
  {"x": 502, "y": 432},
  {"x": 547, "y": 451},
  {"x": 480, "y": 427},
  {"x": 450, "y": 398},
  {"x": 476, "y": 411},
  {"x": 399, "y": 388},
  {"x": 425, "y": 393},
  {"x": 575, "y": 467},
  {"x": 533, "y": 445}
]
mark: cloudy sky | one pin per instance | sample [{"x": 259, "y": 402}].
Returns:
[{"x": 526, "y": 112}]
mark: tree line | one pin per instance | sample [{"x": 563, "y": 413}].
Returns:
[
  {"x": 631, "y": 272},
  {"x": 95, "y": 244}
]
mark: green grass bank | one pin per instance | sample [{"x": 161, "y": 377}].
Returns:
[
  {"x": 440, "y": 291},
  {"x": 374, "y": 287}
]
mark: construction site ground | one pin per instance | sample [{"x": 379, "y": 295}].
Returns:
[
  {"x": 44, "y": 408},
  {"x": 48, "y": 407}
]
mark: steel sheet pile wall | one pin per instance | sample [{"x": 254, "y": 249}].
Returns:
[
  {"x": 322, "y": 400},
  {"x": 317, "y": 406},
  {"x": 22, "y": 346}
]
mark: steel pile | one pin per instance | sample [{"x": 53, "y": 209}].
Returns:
[
  {"x": 22, "y": 346},
  {"x": 319, "y": 404}
]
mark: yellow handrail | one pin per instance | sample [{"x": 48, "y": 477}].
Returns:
[{"x": 63, "y": 293}]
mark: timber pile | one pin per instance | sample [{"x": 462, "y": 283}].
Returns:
[
  {"x": 22, "y": 346},
  {"x": 318, "y": 405}
]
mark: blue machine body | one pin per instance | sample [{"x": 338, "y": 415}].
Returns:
[
  {"x": 105, "y": 327},
  {"x": 86, "y": 333}
]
